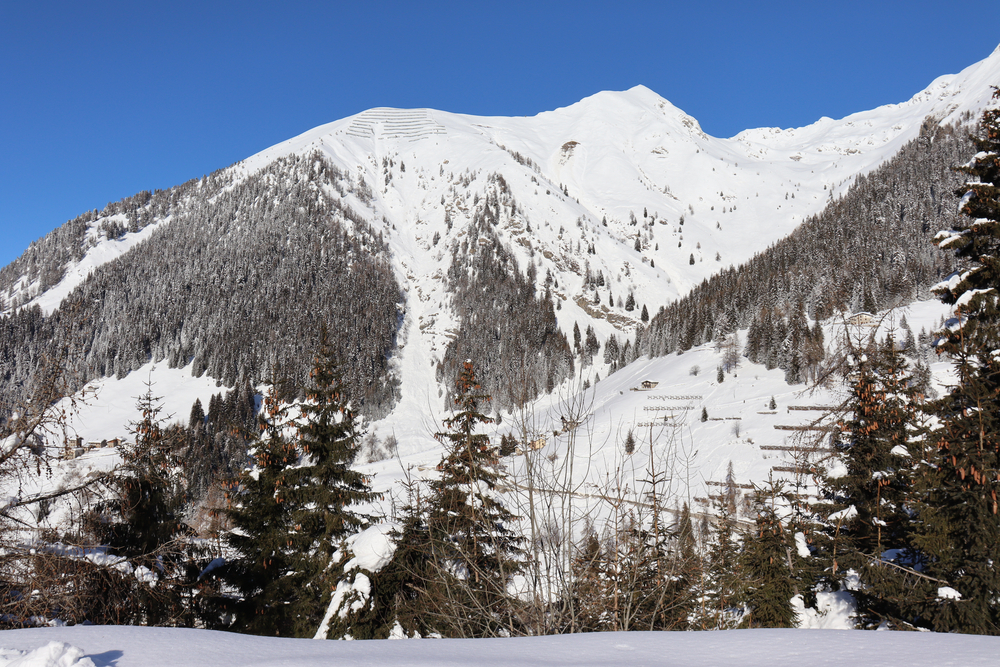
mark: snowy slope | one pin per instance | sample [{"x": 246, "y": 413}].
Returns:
[
  {"x": 612, "y": 156},
  {"x": 168, "y": 647},
  {"x": 617, "y": 153},
  {"x": 740, "y": 429}
]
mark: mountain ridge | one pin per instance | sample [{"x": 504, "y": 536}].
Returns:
[{"x": 613, "y": 206}]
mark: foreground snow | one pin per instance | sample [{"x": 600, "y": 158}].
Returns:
[{"x": 153, "y": 647}]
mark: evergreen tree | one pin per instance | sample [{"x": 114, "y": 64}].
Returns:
[
  {"x": 590, "y": 585},
  {"x": 722, "y": 587},
  {"x": 591, "y": 345},
  {"x": 265, "y": 573},
  {"x": 293, "y": 511},
  {"x": 468, "y": 525},
  {"x": 765, "y": 564},
  {"x": 629, "y": 442},
  {"x": 686, "y": 572},
  {"x": 959, "y": 527},
  {"x": 864, "y": 494},
  {"x": 143, "y": 523},
  {"x": 327, "y": 495}
]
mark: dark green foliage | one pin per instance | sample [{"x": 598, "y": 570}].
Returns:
[
  {"x": 724, "y": 579},
  {"x": 264, "y": 572},
  {"x": 765, "y": 564},
  {"x": 328, "y": 496},
  {"x": 868, "y": 247},
  {"x": 509, "y": 330},
  {"x": 720, "y": 377},
  {"x": 639, "y": 577},
  {"x": 463, "y": 531},
  {"x": 591, "y": 344},
  {"x": 143, "y": 524},
  {"x": 864, "y": 505},
  {"x": 959, "y": 525},
  {"x": 292, "y": 512},
  {"x": 467, "y": 521},
  {"x": 241, "y": 278},
  {"x": 214, "y": 446}
]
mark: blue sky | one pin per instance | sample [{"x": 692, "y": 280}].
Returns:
[{"x": 99, "y": 100}]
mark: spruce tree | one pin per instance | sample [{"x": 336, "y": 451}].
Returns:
[
  {"x": 265, "y": 572},
  {"x": 867, "y": 524},
  {"x": 590, "y": 585},
  {"x": 468, "y": 525},
  {"x": 143, "y": 522},
  {"x": 295, "y": 508},
  {"x": 959, "y": 524},
  {"x": 722, "y": 584},
  {"x": 328, "y": 497},
  {"x": 769, "y": 581}
]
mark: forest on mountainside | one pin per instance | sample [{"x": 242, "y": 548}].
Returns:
[
  {"x": 868, "y": 250},
  {"x": 43, "y": 264},
  {"x": 238, "y": 283},
  {"x": 508, "y": 328}
]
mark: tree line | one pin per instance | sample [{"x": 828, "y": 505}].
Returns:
[
  {"x": 868, "y": 250},
  {"x": 236, "y": 282}
]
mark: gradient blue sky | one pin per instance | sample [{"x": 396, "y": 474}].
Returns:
[{"x": 99, "y": 100}]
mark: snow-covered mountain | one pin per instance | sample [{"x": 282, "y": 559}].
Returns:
[{"x": 621, "y": 185}]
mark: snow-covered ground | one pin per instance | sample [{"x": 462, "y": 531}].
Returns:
[{"x": 106, "y": 646}]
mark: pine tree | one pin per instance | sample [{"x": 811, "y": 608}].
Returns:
[
  {"x": 469, "y": 530},
  {"x": 143, "y": 523},
  {"x": 864, "y": 503},
  {"x": 765, "y": 563},
  {"x": 959, "y": 524},
  {"x": 327, "y": 495}
]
